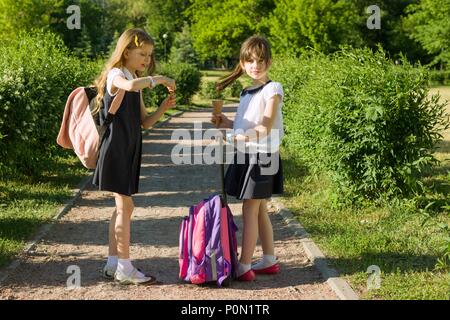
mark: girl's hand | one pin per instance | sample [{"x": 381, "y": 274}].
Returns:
[
  {"x": 169, "y": 102},
  {"x": 221, "y": 121},
  {"x": 170, "y": 84},
  {"x": 167, "y": 82}
]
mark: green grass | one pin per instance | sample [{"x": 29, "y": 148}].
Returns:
[
  {"x": 25, "y": 204},
  {"x": 391, "y": 236},
  {"x": 201, "y": 102},
  {"x": 215, "y": 73}
]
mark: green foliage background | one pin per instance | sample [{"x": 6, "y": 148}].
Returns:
[
  {"x": 364, "y": 121},
  {"x": 38, "y": 74}
]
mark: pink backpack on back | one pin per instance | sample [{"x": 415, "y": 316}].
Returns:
[{"x": 80, "y": 130}]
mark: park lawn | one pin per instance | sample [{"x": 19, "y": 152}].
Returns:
[
  {"x": 26, "y": 204},
  {"x": 391, "y": 236}
]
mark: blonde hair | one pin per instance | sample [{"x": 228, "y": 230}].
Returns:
[
  {"x": 130, "y": 39},
  {"x": 255, "y": 46}
]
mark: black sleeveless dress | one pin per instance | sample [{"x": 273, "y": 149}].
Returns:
[{"x": 119, "y": 161}]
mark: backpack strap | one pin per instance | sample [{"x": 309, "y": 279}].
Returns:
[
  {"x": 91, "y": 93},
  {"x": 117, "y": 101},
  {"x": 115, "y": 105},
  {"x": 209, "y": 226}
]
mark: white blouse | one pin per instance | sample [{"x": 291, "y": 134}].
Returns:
[
  {"x": 250, "y": 114},
  {"x": 117, "y": 72}
]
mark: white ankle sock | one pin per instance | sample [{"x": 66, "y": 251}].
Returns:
[
  {"x": 243, "y": 268},
  {"x": 112, "y": 261},
  {"x": 126, "y": 267},
  {"x": 265, "y": 262}
]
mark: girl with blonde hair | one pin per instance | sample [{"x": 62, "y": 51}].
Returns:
[{"x": 119, "y": 160}]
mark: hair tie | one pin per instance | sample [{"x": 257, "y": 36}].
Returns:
[{"x": 136, "y": 41}]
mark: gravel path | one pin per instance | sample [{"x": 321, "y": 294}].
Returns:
[{"x": 166, "y": 191}]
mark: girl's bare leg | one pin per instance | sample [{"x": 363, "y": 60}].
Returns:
[
  {"x": 112, "y": 251},
  {"x": 265, "y": 229},
  {"x": 124, "y": 210},
  {"x": 250, "y": 211}
]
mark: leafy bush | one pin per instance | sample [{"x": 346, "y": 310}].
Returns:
[
  {"x": 361, "y": 119},
  {"x": 187, "y": 77},
  {"x": 209, "y": 91},
  {"x": 37, "y": 75},
  {"x": 234, "y": 90}
]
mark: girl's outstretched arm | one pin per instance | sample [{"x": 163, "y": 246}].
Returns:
[
  {"x": 147, "y": 120},
  {"x": 141, "y": 83},
  {"x": 165, "y": 81},
  {"x": 120, "y": 82}
]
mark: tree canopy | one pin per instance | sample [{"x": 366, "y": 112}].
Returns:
[
  {"x": 213, "y": 31},
  {"x": 429, "y": 22}
]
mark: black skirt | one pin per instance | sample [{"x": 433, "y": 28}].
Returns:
[{"x": 254, "y": 176}]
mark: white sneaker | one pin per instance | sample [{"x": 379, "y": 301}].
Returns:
[
  {"x": 135, "y": 277},
  {"x": 108, "y": 272}
]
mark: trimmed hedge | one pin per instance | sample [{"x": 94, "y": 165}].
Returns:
[
  {"x": 37, "y": 73},
  {"x": 360, "y": 119}
]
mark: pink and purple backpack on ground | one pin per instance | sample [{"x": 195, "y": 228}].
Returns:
[{"x": 208, "y": 246}]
